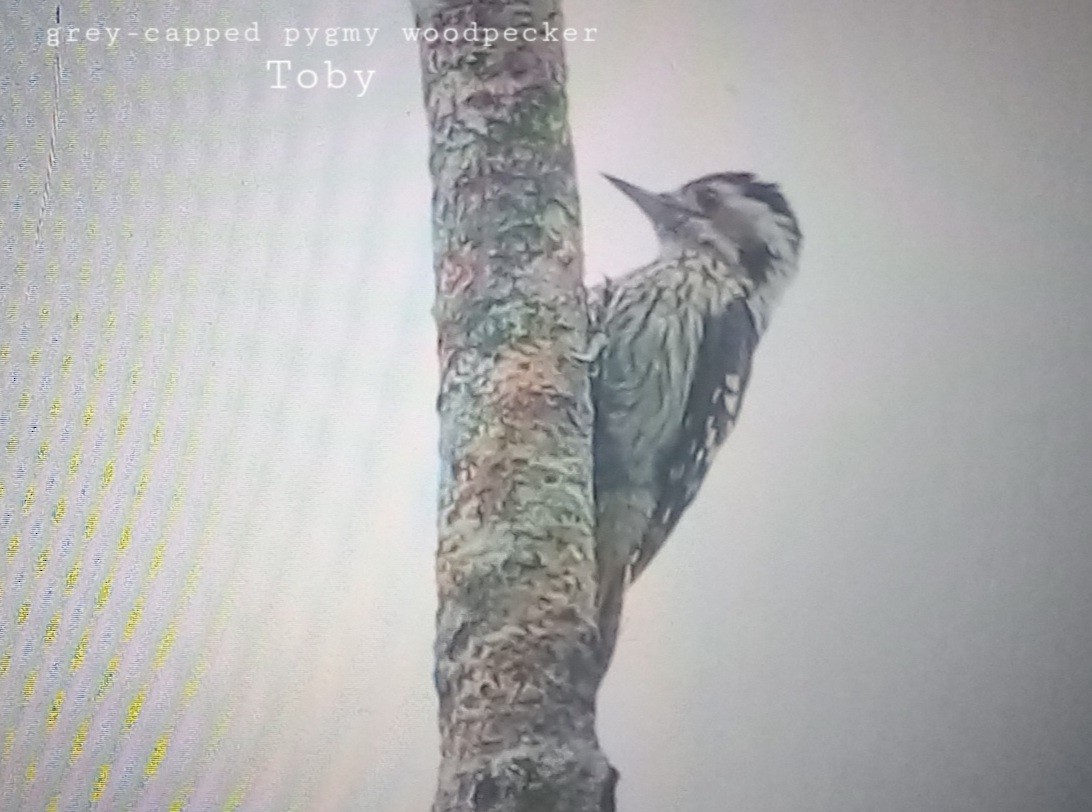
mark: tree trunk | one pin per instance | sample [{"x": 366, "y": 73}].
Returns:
[{"x": 517, "y": 668}]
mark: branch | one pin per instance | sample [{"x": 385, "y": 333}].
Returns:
[{"x": 516, "y": 641}]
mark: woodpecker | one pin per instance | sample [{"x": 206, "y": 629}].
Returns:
[{"x": 676, "y": 341}]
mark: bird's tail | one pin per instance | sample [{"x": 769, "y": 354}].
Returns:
[{"x": 621, "y": 521}]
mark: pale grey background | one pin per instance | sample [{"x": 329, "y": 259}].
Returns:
[{"x": 881, "y": 599}]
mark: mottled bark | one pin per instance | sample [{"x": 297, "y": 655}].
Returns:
[{"x": 517, "y": 667}]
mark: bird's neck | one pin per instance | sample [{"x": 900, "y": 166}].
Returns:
[
  {"x": 719, "y": 277},
  {"x": 762, "y": 301}
]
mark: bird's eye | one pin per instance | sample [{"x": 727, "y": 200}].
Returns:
[{"x": 707, "y": 199}]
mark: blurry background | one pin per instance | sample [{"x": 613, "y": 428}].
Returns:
[{"x": 218, "y": 444}]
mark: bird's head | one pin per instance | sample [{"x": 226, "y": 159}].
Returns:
[{"x": 736, "y": 217}]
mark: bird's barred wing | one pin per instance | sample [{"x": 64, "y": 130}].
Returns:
[{"x": 721, "y": 374}]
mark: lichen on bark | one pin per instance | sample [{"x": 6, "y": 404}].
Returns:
[{"x": 516, "y": 642}]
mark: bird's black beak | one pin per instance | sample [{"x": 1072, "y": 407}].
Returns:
[{"x": 661, "y": 209}]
